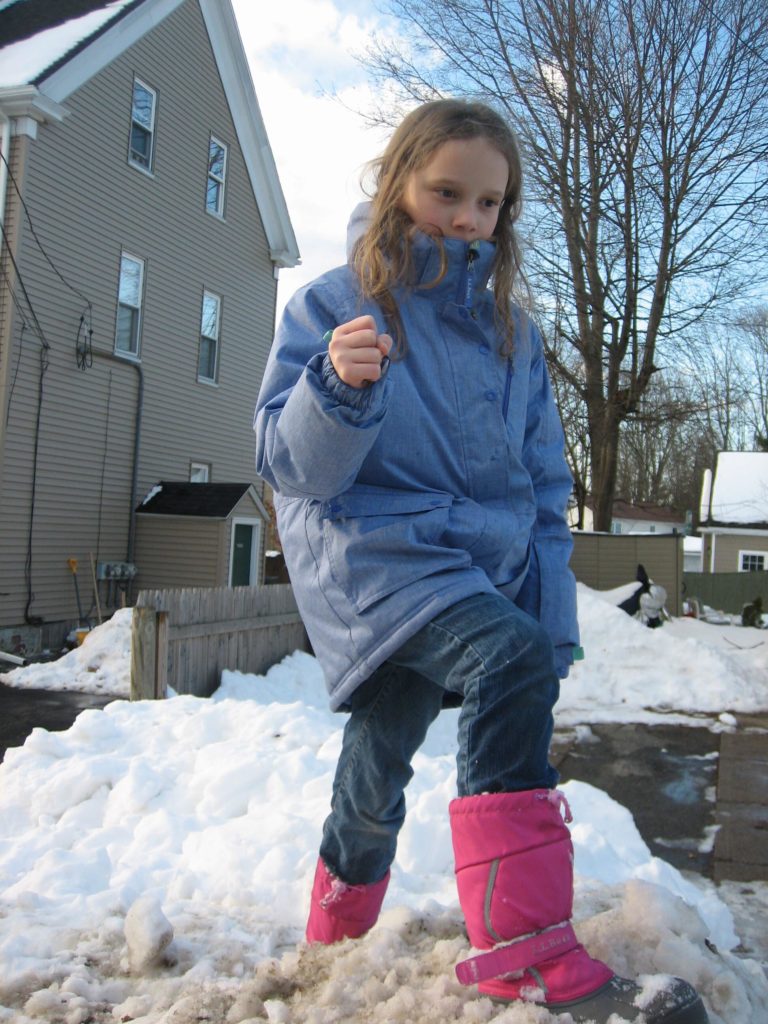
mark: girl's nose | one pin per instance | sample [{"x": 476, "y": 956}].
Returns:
[{"x": 465, "y": 218}]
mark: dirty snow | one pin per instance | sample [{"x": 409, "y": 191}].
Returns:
[{"x": 156, "y": 858}]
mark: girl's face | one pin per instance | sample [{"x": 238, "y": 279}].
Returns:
[{"x": 458, "y": 192}]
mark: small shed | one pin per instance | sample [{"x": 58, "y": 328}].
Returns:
[{"x": 200, "y": 535}]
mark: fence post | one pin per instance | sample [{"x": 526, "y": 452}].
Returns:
[{"x": 144, "y": 654}]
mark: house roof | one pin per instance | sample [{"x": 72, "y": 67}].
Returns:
[
  {"x": 644, "y": 511},
  {"x": 213, "y": 501},
  {"x": 22, "y": 19},
  {"x": 49, "y": 48},
  {"x": 736, "y": 494}
]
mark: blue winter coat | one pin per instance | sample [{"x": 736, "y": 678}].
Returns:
[{"x": 444, "y": 479}]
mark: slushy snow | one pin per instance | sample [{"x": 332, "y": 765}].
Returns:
[{"x": 156, "y": 858}]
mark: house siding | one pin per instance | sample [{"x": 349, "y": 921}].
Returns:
[
  {"x": 88, "y": 204},
  {"x": 178, "y": 551},
  {"x": 727, "y": 548}
]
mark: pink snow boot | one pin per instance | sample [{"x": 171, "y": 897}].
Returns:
[
  {"x": 514, "y": 872},
  {"x": 340, "y": 911}
]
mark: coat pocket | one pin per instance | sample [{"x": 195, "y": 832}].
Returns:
[{"x": 378, "y": 541}]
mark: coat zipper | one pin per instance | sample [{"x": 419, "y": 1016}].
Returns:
[{"x": 469, "y": 290}]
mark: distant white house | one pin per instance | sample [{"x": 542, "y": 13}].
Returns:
[
  {"x": 642, "y": 517},
  {"x": 734, "y": 513}
]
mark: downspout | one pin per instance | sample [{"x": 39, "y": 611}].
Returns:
[{"x": 136, "y": 448}]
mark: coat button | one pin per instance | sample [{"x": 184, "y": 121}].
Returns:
[
  {"x": 490, "y": 396},
  {"x": 485, "y": 349}
]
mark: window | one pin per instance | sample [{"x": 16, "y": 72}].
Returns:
[
  {"x": 751, "y": 561},
  {"x": 141, "y": 147},
  {"x": 129, "y": 297},
  {"x": 217, "y": 173},
  {"x": 207, "y": 363},
  {"x": 199, "y": 472}
]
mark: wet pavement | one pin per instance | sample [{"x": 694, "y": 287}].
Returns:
[
  {"x": 665, "y": 775},
  {"x": 21, "y": 711},
  {"x": 699, "y": 799}
]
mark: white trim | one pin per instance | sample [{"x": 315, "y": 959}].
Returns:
[
  {"x": 257, "y": 525},
  {"x": 221, "y": 180},
  {"x": 107, "y": 47},
  {"x": 129, "y": 353},
  {"x": 237, "y": 83},
  {"x": 759, "y": 554},
  {"x": 244, "y": 106},
  {"x": 733, "y": 531},
  {"x": 132, "y": 161},
  {"x": 210, "y": 337},
  {"x": 194, "y": 464}
]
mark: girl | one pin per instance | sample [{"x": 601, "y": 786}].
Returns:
[{"x": 407, "y": 427}]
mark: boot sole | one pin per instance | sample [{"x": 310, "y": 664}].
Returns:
[{"x": 599, "y": 1006}]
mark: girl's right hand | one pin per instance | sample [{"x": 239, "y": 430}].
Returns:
[{"x": 357, "y": 351}]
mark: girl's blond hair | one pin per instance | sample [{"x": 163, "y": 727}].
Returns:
[{"x": 382, "y": 257}]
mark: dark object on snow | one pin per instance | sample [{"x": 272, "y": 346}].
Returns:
[
  {"x": 752, "y": 614},
  {"x": 647, "y": 602}
]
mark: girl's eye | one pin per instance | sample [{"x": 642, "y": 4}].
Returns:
[
  {"x": 489, "y": 203},
  {"x": 446, "y": 193}
]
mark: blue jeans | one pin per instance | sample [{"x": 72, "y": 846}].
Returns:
[{"x": 499, "y": 662}]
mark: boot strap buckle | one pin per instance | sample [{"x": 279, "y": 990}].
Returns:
[{"x": 517, "y": 955}]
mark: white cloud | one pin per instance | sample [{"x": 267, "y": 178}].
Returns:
[{"x": 310, "y": 88}]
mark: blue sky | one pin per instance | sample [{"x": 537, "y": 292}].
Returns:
[{"x": 309, "y": 87}]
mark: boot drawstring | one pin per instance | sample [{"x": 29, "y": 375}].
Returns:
[
  {"x": 335, "y": 893},
  {"x": 558, "y": 798}
]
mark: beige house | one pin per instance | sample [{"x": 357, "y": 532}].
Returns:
[
  {"x": 734, "y": 514},
  {"x": 143, "y": 229}
]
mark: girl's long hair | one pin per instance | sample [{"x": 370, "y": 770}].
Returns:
[{"x": 382, "y": 257}]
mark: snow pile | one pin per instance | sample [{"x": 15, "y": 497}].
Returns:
[
  {"x": 686, "y": 667},
  {"x": 688, "y": 671},
  {"x": 101, "y": 664},
  {"x": 156, "y": 861}
]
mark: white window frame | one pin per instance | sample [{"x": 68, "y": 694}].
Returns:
[
  {"x": 212, "y": 178},
  {"x": 199, "y": 472},
  {"x": 137, "y": 161},
  {"x": 255, "y": 546},
  {"x": 130, "y": 353},
  {"x": 762, "y": 555},
  {"x": 203, "y": 337}
]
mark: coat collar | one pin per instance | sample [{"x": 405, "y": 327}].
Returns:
[{"x": 468, "y": 267}]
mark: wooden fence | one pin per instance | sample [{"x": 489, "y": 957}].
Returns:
[
  {"x": 185, "y": 638},
  {"x": 607, "y": 560},
  {"x": 726, "y": 591}
]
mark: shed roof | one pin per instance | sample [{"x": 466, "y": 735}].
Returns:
[{"x": 181, "y": 498}]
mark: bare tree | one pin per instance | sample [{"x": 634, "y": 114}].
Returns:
[
  {"x": 657, "y": 443},
  {"x": 645, "y": 129},
  {"x": 753, "y": 325}
]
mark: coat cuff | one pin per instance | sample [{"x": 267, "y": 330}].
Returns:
[{"x": 359, "y": 399}]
